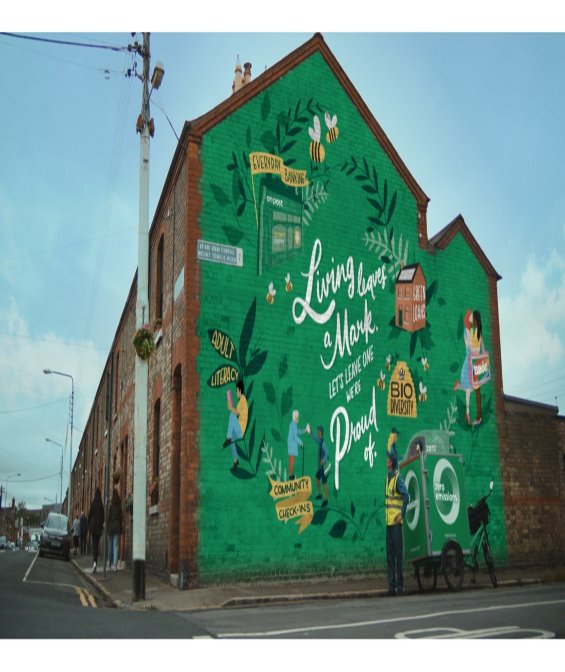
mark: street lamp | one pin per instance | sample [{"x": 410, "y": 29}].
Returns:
[
  {"x": 67, "y": 375},
  {"x": 9, "y": 477},
  {"x": 146, "y": 129},
  {"x": 61, "y": 478}
]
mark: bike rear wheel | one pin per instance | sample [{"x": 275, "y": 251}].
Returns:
[
  {"x": 489, "y": 562},
  {"x": 453, "y": 565}
]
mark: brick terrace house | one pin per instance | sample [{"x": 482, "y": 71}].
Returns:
[{"x": 309, "y": 329}]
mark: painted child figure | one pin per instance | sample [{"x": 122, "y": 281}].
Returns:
[
  {"x": 237, "y": 423},
  {"x": 323, "y": 465}
]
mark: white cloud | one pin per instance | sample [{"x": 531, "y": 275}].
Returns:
[{"x": 532, "y": 326}]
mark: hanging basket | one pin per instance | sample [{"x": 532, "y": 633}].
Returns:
[{"x": 143, "y": 342}]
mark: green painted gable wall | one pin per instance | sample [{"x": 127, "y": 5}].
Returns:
[{"x": 348, "y": 231}]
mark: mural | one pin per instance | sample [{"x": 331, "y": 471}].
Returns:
[{"x": 340, "y": 327}]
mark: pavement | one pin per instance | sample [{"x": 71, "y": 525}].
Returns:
[{"x": 116, "y": 588}]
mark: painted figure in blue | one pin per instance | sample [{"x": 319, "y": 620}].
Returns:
[{"x": 294, "y": 442}]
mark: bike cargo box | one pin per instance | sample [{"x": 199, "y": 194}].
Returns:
[{"x": 437, "y": 510}]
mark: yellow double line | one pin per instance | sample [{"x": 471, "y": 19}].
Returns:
[{"x": 86, "y": 598}]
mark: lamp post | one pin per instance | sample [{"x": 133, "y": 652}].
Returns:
[
  {"x": 145, "y": 128},
  {"x": 67, "y": 375},
  {"x": 61, "y": 477},
  {"x": 9, "y": 477}
]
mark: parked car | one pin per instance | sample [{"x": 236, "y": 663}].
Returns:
[
  {"x": 55, "y": 539},
  {"x": 3, "y": 542}
]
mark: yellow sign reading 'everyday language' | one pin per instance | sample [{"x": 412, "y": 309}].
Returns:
[
  {"x": 262, "y": 162},
  {"x": 295, "y": 502}
]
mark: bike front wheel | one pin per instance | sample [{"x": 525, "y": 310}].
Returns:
[
  {"x": 489, "y": 562},
  {"x": 426, "y": 576}
]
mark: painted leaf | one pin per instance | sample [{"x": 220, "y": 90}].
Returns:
[
  {"x": 320, "y": 517},
  {"x": 276, "y": 435},
  {"x": 338, "y": 530},
  {"x": 391, "y": 208},
  {"x": 249, "y": 390},
  {"x": 242, "y": 474},
  {"x": 286, "y": 401},
  {"x": 293, "y": 131},
  {"x": 283, "y": 366},
  {"x": 431, "y": 291},
  {"x": 353, "y": 510},
  {"x": 241, "y": 208},
  {"x": 233, "y": 235},
  {"x": 256, "y": 364},
  {"x": 252, "y": 441},
  {"x": 442, "y": 302},
  {"x": 454, "y": 367},
  {"x": 247, "y": 332},
  {"x": 369, "y": 188},
  {"x": 375, "y": 178},
  {"x": 270, "y": 393},
  {"x": 222, "y": 344},
  {"x": 288, "y": 146},
  {"x": 225, "y": 374},
  {"x": 375, "y": 204},
  {"x": 259, "y": 453},
  {"x": 219, "y": 194},
  {"x": 240, "y": 450},
  {"x": 460, "y": 328}
]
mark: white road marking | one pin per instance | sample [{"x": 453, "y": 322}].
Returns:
[
  {"x": 456, "y": 633},
  {"x": 384, "y": 621}
]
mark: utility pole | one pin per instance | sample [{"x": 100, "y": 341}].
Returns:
[
  {"x": 141, "y": 367},
  {"x": 145, "y": 128}
]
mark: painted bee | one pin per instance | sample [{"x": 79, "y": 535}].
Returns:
[
  {"x": 317, "y": 151},
  {"x": 388, "y": 358},
  {"x": 333, "y": 131},
  {"x": 423, "y": 392},
  {"x": 425, "y": 363},
  {"x": 381, "y": 381},
  {"x": 271, "y": 294},
  {"x": 288, "y": 283}
]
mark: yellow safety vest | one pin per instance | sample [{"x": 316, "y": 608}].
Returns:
[{"x": 393, "y": 500}]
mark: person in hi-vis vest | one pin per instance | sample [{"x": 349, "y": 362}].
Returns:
[{"x": 396, "y": 501}]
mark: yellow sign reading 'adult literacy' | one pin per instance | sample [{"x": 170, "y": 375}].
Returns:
[
  {"x": 262, "y": 162},
  {"x": 295, "y": 502}
]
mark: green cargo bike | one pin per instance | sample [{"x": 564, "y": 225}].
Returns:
[{"x": 441, "y": 533}]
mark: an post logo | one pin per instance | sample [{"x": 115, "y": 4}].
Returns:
[
  {"x": 446, "y": 491},
  {"x": 413, "y": 508}
]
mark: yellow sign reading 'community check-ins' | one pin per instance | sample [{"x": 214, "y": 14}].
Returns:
[
  {"x": 295, "y": 502},
  {"x": 262, "y": 162}
]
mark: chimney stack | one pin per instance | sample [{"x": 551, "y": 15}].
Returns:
[
  {"x": 237, "y": 80},
  {"x": 246, "y": 73}
]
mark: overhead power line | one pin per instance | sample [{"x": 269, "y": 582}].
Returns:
[{"x": 66, "y": 42}]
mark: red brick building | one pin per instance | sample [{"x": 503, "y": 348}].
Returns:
[{"x": 531, "y": 436}]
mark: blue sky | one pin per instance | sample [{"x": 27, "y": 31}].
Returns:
[{"x": 476, "y": 117}]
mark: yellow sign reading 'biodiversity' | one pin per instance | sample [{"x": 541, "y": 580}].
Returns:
[
  {"x": 295, "y": 502},
  {"x": 262, "y": 162}
]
